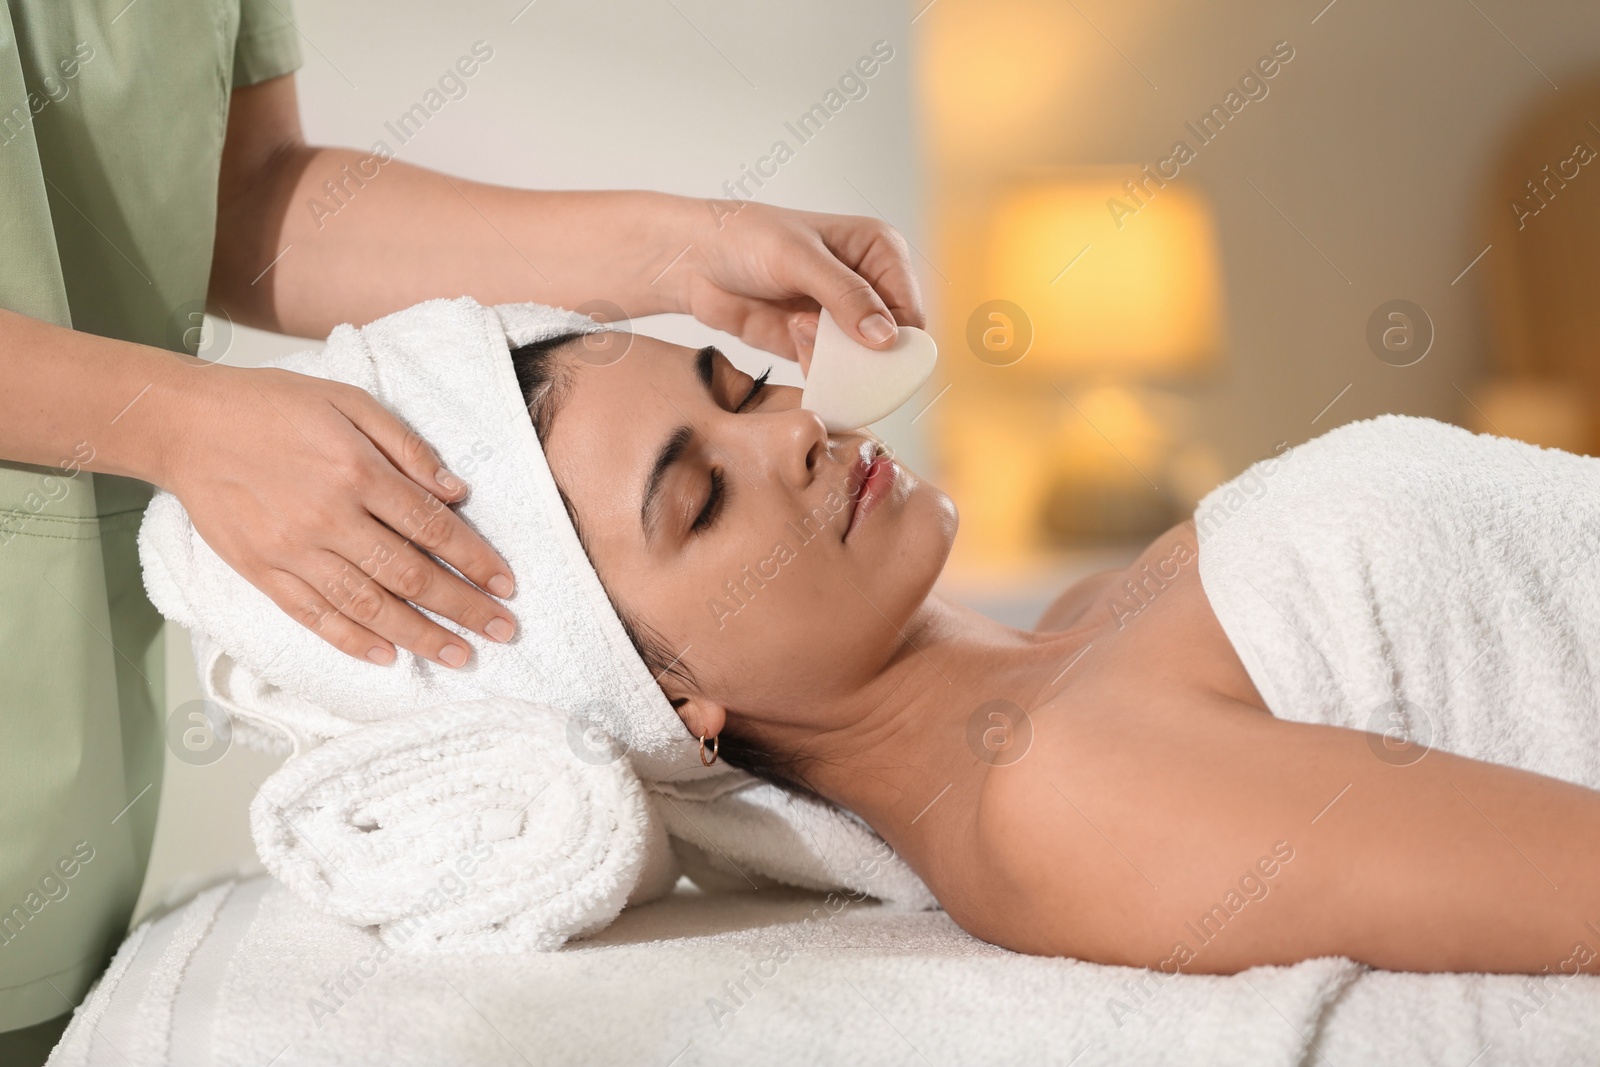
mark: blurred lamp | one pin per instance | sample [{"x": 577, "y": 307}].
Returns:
[{"x": 1118, "y": 284}]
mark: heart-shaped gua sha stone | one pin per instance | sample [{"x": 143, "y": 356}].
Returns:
[{"x": 850, "y": 385}]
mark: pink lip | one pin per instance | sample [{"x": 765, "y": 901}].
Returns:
[{"x": 875, "y": 474}]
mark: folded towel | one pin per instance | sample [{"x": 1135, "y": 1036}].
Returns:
[
  {"x": 444, "y": 368},
  {"x": 468, "y": 827},
  {"x": 1430, "y": 585}
]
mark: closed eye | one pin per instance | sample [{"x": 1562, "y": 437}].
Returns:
[
  {"x": 714, "y": 500},
  {"x": 717, "y": 498}
]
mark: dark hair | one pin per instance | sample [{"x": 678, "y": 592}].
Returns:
[{"x": 546, "y": 382}]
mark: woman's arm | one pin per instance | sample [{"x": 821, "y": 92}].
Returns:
[
  {"x": 70, "y": 400},
  {"x": 1213, "y": 838},
  {"x": 349, "y": 238}
]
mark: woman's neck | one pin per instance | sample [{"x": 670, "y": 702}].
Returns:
[{"x": 926, "y": 724}]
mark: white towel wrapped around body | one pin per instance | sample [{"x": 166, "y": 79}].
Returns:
[
  {"x": 1432, "y": 586},
  {"x": 470, "y": 827},
  {"x": 1438, "y": 589}
]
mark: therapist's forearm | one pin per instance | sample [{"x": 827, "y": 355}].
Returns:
[
  {"x": 76, "y": 401},
  {"x": 299, "y": 259}
]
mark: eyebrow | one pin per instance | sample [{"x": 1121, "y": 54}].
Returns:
[{"x": 672, "y": 450}]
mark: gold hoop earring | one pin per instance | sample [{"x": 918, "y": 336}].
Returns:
[{"x": 715, "y": 744}]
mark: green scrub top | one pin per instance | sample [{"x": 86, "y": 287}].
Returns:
[{"x": 112, "y": 119}]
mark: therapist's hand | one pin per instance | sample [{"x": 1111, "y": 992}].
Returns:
[
  {"x": 300, "y": 484},
  {"x": 760, "y": 273}
]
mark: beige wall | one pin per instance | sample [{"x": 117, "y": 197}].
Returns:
[{"x": 1373, "y": 144}]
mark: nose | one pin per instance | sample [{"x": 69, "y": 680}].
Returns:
[{"x": 800, "y": 451}]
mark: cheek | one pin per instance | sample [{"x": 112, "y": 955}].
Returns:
[
  {"x": 775, "y": 616},
  {"x": 757, "y": 613},
  {"x": 811, "y": 616},
  {"x": 761, "y": 623}
]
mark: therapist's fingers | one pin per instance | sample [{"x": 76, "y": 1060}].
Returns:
[
  {"x": 354, "y": 614},
  {"x": 374, "y": 597},
  {"x": 434, "y": 527},
  {"x": 312, "y": 610},
  {"x": 863, "y": 276},
  {"x": 388, "y": 558},
  {"x": 764, "y": 274},
  {"x": 803, "y": 335},
  {"x": 280, "y": 478}
]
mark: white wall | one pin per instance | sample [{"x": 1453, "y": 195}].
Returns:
[{"x": 675, "y": 96}]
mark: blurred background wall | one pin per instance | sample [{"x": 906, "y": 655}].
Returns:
[
  {"x": 1371, "y": 170},
  {"x": 1359, "y": 175}
]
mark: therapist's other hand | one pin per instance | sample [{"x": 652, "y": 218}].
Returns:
[
  {"x": 300, "y": 484},
  {"x": 761, "y": 272}
]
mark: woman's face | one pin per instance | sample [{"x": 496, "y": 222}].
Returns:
[{"x": 718, "y": 516}]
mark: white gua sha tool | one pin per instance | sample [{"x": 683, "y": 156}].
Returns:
[{"x": 851, "y": 385}]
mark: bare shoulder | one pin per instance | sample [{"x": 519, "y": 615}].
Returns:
[{"x": 1070, "y": 609}]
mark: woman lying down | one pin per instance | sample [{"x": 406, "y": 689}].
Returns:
[{"x": 1112, "y": 785}]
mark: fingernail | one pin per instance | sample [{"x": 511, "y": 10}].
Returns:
[
  {"x": 447, "y": 481},
  {"x": 500, "y": 629},
  {"x": 453, "y": 655},
  {"x": 381, "y": 656},
  {"x": 807, "y": 331},
  {"x": 876, "y": 328},
  {"x": 500, "y": 585}
]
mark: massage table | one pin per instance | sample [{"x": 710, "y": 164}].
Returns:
[{"x": 245, "y": 974}]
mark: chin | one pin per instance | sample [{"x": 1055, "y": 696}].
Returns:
[
  {"x": 949, "y": 521},
  {"x": 924, "y": 537},
  {"x": 930, "y": 505}
]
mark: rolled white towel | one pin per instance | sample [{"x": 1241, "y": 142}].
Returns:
[{"x": 470, "y": 826}]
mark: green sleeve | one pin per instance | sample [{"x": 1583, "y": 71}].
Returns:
[{"x": 267, "y": 46}]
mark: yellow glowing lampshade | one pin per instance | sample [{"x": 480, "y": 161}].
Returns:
[{"x": 1114, "y": 283}]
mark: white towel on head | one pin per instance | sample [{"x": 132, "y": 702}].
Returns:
[{"x": 444, "y": 368}]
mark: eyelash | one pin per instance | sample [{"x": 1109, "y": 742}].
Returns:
[
  {"x": 755, "y": 389},
  {"x": 718, "y": 495}
]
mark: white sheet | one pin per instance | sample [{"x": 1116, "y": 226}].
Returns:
[{"x": 246, "y": 975}]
